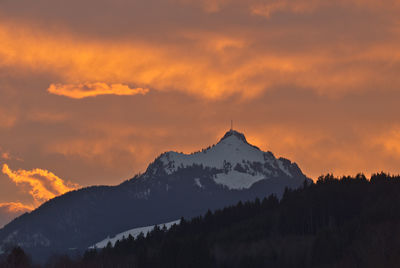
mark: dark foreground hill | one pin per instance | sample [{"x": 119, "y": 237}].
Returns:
[{"x": 347, "y": 222}]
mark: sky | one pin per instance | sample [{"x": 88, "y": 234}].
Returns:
[{"x": 92, "y": 91}]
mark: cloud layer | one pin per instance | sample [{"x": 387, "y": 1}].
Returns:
[{"x": 351, "y": 52}]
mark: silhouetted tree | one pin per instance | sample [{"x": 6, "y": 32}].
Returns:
[{"x": 18, "y": 259}]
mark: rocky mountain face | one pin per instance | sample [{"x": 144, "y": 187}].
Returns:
[{"x": 174, "y": 185}]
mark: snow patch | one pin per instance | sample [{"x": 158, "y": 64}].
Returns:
[
  {"x": 133, "y": 232},
  {"x": 237, "y": 180},
  {"x": 198, "y": 183}
]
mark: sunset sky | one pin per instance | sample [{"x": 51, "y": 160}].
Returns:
[{"x": 92, "y": 91}]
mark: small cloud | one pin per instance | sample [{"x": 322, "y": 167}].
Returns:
[
  {"x": 85, "y": 90},
  {"x": 42, "y": 185},
  {"x": 5, "y": 155},
  {"x": 11, "y": 210}
]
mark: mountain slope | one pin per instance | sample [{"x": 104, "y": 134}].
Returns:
[{"x": 174, "y": 185}]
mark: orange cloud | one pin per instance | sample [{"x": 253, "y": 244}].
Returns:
[
  {"x": 15, "y": 207},
  {"x": 43, "y": 185},
  {"x": 218, "y": 66},
  {"x": 85, "y": 90},
  {"x": 5, "y": 156},
  {"x": 248, "y": 60}
]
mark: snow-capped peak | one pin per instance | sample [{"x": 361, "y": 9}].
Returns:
[
  {"x": 233, "y": 133},
  {"x": 232, "y": 148},
  {"x": 239, "y": 164}
]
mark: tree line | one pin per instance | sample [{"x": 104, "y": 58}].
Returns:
[{"x": 334, "y": 222}]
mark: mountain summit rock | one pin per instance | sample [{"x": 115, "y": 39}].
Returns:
[{"x": 174, "y": 185}]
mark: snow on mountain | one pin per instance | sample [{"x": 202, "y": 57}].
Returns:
[
  {"x": 230, "y": 149},
  {"x": 133, "y": 232},
  {"x": 240, "y": 164}
]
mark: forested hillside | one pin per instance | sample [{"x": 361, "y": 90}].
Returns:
[{"x": 346, "y": 222}]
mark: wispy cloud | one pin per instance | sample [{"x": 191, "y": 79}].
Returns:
[
  {"x": 15, "y": 207},
  {"x": 41, "y": 184},
  {"x": 85, "y": 90},
  {"x": 6, "y": 155},
  {"x": 267, "y": 8},
  {"x": 46, "y": 117}
]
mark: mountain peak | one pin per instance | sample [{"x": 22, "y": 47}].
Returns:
[
  {"x": 236, "y": 134},
  {"x": 234, "y": 162}
]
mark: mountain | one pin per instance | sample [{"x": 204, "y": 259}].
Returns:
[{"x": 174, "y": 185}]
